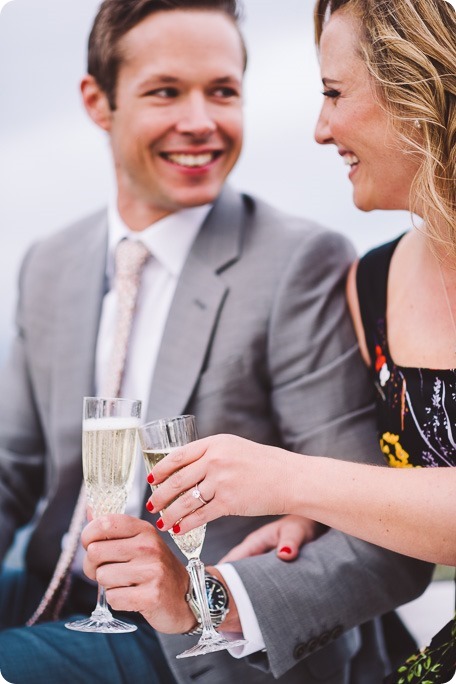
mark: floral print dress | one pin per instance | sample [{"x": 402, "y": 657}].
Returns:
[{"x": 416, "y": 412}]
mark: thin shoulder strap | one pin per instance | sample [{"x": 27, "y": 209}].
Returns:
[{"x": 371, "y": 285}]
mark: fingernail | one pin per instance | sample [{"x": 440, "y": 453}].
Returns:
[
  {"x": 149, "y": 506},
  {"x": 150, "y": 478},
  {"x": 176, "y": 528},
  {"x": 160, "y": 524},
  {"x": 285, "y": 549}
]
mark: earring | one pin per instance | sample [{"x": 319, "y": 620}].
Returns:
[{"x": 417, "y": 124}]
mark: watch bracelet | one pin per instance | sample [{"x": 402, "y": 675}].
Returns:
[
  {"x": 199, "y": 629},
  {"x": 216, "y": 621}
]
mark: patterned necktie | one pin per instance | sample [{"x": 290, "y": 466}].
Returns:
[{"x": 131, "y": 256}]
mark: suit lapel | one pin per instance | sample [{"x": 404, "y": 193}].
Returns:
[
  {"x": 197, "y": 302},
  {"x": 79, "y": 307}
]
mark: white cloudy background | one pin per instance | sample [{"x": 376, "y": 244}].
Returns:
[{"x": 54, "y": 163}]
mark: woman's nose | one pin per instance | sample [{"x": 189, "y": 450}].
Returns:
[{"x": 322, "y": 133}]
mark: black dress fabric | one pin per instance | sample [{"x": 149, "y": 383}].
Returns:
[{"x": 416, "y": 414}]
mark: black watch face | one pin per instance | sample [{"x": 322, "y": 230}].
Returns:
[{"x": 216, "y": 596}]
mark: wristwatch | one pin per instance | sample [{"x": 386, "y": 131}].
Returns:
[{"x": 217, "y": 597}]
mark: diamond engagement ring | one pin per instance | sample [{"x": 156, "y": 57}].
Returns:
[{"x": 197, "y": 495}]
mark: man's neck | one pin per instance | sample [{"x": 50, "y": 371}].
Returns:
[{"x": 141, "y": 216}]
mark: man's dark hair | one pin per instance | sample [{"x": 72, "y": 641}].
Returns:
[{"x": 116, "y": 17}]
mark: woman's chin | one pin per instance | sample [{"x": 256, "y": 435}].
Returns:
[{"x": 362, "y": 203}]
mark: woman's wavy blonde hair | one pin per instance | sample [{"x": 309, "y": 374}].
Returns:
[{"x": 409, "y": 47}]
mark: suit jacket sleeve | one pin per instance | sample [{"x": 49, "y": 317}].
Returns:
[
  {"x": 21, "y": 444},
  {"x": 322, "y": 403}
]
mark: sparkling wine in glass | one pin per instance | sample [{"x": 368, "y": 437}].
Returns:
[
  {"x": 158, "y": 438},
  {"x": 109, "y": 444}
]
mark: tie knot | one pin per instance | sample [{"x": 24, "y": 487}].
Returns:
[{"x": 131, "y": 255}]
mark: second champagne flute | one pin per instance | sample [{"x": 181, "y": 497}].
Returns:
[
  {"x": 157, "y": 439},
  {"x": 109, "y": 443}
]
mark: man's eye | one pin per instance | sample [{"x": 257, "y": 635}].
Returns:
[
  {"x": 162, "y": 92},
  {"x": 226, "y": 92},
  {"x": 331, "y": 93}
]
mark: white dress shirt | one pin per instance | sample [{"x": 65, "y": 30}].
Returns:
[{"x": 169, "y": 242}]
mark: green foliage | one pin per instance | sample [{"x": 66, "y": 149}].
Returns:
[{"x": 426, "y": 667}]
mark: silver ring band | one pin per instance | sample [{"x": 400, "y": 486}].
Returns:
[{"x": 197, "y": 495}]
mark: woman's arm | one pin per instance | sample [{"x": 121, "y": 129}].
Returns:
[{"x": 411, "y": 511}]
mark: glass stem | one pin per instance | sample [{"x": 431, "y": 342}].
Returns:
[
  {"x": 195, "y": 569},
  {"x": 102, "y": 606}
]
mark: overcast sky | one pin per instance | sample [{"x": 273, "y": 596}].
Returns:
[{"x": 55, "y": 165}]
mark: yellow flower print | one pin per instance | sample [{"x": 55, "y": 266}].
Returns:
[{"x": 396, "y": 456}]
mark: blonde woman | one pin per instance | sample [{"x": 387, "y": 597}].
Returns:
[{"x": 389, "y": 76}]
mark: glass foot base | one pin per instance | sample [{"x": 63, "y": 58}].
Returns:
[
  {"x": 102, "y": 625},
  {"x": 210, "y": 646}
]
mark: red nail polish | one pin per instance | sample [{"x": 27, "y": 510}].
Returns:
[
  {"x": 149, "y": 506},
  {"x": 150, "y": 478},
  {"x": 176, "y": 528},
  {"x": 160, "y": 524},
  {"x": 285, "y": 549}
]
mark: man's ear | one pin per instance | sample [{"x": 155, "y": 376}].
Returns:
[{"x": 96, "y": 103}]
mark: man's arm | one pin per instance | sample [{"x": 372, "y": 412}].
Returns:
[{"x": 322, "y": 402}]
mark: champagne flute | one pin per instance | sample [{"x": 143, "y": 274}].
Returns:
[
  {"x": 157, "y": 439},
  {"x": 109, "y": 444}
]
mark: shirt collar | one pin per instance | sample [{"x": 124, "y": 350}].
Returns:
[{"x": 169, "y": 239}]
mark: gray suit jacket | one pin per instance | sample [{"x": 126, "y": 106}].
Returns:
[{"x": 258, "y": 343}]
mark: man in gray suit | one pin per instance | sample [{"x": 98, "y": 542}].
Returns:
[{"x": 241, "y": 321}]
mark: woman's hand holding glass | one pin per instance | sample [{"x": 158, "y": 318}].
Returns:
[{"x": 234, "y": 476}]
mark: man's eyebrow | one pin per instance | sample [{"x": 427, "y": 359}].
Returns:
[
  {"x": 158, "y": 78},
  {"x": 226, "y": 79},
  {"x": 167, "y": 79}
]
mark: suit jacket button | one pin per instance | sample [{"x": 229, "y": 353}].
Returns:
[
  {"x": 323, "y": 640},
  {"x": 299, "y": 651},
  {"x": 336, "y": 632},
  {"x": 312, "y": 644}
]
